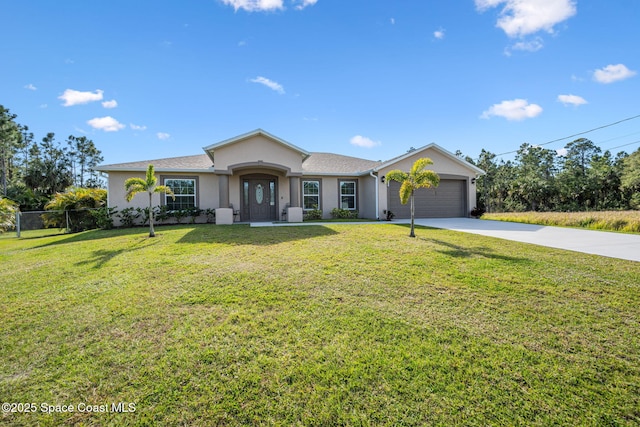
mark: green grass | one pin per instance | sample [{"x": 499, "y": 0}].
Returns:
[
  {"x": 623, "y": 221},
  {"x": 317, "y": 325}
]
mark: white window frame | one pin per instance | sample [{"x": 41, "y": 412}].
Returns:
[
  {"x": 311, "y": 195},
  {"x": 168, "y": 200},
  {"x": 354, "y": 195}
]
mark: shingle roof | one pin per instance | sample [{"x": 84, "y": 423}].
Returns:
[
  {"x": 328, "y": 163},
  {"x": 316, "y": 163},
  {"x": 186, "y": 163}
]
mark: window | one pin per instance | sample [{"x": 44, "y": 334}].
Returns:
[
  {"x": 184, "y": 191},
  {"x": 310, "y": 195},
  {"x": 348, "y": 195}
]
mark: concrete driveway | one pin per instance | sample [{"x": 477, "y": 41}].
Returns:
[{"x": 614, "y": 245}]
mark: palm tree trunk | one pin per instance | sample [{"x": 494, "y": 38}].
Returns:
[
  {"x": 412, "y": 233},
  {"x": 152, "y": 232}
]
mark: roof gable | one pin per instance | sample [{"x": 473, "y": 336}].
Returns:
[
  {"x": 257, "y": 132},
  {"x": 437, "y": 148}
]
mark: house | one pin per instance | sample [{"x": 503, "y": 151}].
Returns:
[{"x": 260, "y": 177}]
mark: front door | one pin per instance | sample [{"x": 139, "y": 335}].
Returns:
[{"x": 260, "y": 200}]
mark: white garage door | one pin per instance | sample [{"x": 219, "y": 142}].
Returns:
[{"x": 445, "y": 201}]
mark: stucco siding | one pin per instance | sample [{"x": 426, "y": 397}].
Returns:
[
  {"x": 257, "y": 148},
  {"x": 368, "y": 199},
  {"x": 207, "y": 191}
]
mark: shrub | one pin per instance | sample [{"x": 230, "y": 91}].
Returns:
[
  {"x": 193, "y": 213},
  {"x": 128, "y": 217},
  {"x": 161, "y": 214},
  {"x": 477, "y": 212},
  {"x": 8, "y": 211},
  {"x": 211, "y": 215},
  {"x": 343, "y": 213},
  {"x": 104, "y": 217},
  {"x": 144, "y": 214},
  {"x": 73, "y": 208},
  {"x": 178, "y": 214},
  {"x": 312, "y": 215}
]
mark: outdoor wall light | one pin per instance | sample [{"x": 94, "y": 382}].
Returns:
[
  {"x": 382, "y": 179},
  {"x": 473, "y": 180}
]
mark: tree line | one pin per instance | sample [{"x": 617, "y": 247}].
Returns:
[
  {"x": 539, "y": 179},
  {"x": 32, "y": 172}
]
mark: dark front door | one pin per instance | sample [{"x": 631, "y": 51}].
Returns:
[{"x": 260, "y": 200}]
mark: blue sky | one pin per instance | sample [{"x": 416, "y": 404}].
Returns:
[{"x": 366, "y": 78}]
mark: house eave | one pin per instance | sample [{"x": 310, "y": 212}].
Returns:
[
  {"x": 166, "y": 170},
  {"x": 349, "y": 174}
]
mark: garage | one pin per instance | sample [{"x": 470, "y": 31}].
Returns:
[{"x": 445, "y": 201}]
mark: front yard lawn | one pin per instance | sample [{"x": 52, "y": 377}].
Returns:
[{"x": 316, "y": 325}]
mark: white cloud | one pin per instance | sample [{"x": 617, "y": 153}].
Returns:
[
  {"x": 304, "y": 3},
  {"x": 613, "y": 73},
  {"x": 528, "y": 46},
  {"x": 523, "y": 17},
  {"x": 74, "y": 97},
  {"x": 393, "y": 21},
  {"x": 562, "y": 152},
  {"x": 439, "y": 34},
  {"x": 363, "y": 141},
  {"x": 30, "y": 87},
  {"x": 267, "y": 5},
  {"x": 572, "y": 100},
  {"x": 107, "y": 124},
  {"x": 269, "y": 83},
  {"x": 110, "y": 104},
  {"x": 517, "y": 109},
  {"x": 137, "y": 127},
  {"x": 255, "y": 5},
  {"x": 163, "y": 136}
]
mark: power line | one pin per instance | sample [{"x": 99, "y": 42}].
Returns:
[
  {"x": 624, "y": 145},
  {"x": 618, "y": 137},
  {"x": 577, "y": 134}
]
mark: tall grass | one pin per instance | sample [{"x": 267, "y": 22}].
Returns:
[{"x": 625, "y": 221}]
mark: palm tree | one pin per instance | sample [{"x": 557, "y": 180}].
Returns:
[
  {"x": 134, "y": 186},
  {"x": 8, "y": 211},
  {"x": 418, "y": 177}
]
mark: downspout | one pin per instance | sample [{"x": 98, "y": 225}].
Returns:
[{"x": 377, "y": 192}]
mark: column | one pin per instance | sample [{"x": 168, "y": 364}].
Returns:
[
  {"x": 223, "y": 188},
  {"x": 224, "y": 214},
  {"x": 294, "y": 211},
  {"x": 294, "y": 191}
]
